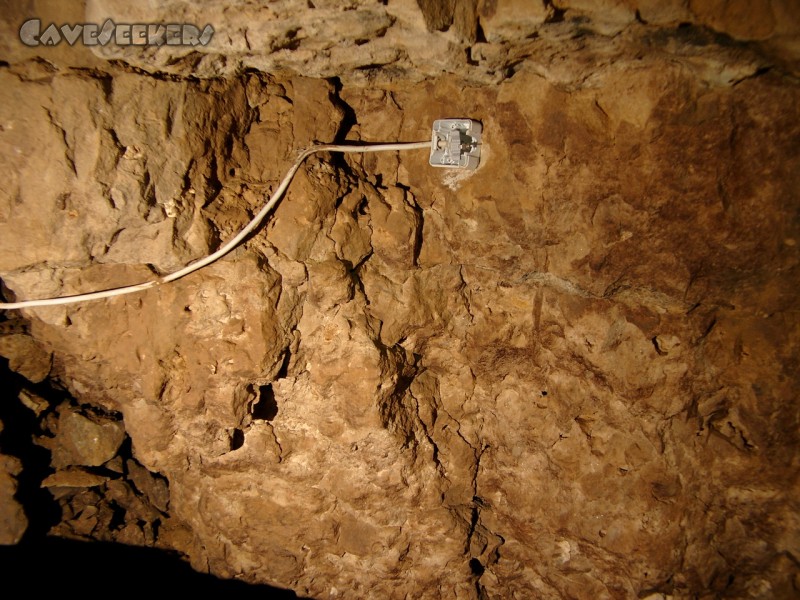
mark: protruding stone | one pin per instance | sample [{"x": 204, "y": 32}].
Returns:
[
  {"x": 151, "y": 486},
  {"x": 84, "y": 440},
  {"x": 73, "y": 477},
  {"x": 25, "y": 356},
  {"x": 13, "y": 521}
]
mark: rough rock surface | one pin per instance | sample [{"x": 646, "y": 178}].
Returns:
[
  {"x": 85, "y": 440},
  {"x": 13, "y": 521},
  {"x": 569, "y": 374},
  {"x": 367, "y": 41}
]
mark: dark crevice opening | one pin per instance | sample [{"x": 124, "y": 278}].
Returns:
[
  {"x": 480, "y": 36},
  {"x": 237, "y": 439},
  {"x": 557, "y": 15},
  {"x": 265, "y": 408},
  {"x": 349, "y": 115},
  {"x": 283, "y": 372},
  {"x": 476, "y": 567}
]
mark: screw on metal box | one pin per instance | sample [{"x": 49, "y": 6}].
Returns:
[{"x": 456, "y": 144}]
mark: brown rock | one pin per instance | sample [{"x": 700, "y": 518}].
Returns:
[
  {"x": 607, "y": 17},
  {"x": 664, "y": 12},
  {"x": 13, "y": 521},
  {"x": 26, "y": 357},
  {"x": 85, "y": 440},
  {"x": 152, "y": 487},
  {"x": 506, "y": 20},
  {"x": 135, "y": 508},
  {"x": 34, "y": 402},
  {"x": 745, "y": 20},
  {"x": 73, "y": 477},
  {"x": 131, "y": 534}
]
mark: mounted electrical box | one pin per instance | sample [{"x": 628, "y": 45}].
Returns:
[{"x": 456, "y": 144}]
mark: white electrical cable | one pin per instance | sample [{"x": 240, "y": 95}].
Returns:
[{"x": 248, "y": 229}]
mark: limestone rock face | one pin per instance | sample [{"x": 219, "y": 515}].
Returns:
[
  {"x": 571, "y": 373},
  {"x": 364, "y": 42}
]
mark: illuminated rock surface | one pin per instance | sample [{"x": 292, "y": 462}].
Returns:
[{"x": 572, "y": 373}]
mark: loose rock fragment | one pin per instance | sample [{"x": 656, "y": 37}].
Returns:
[
  {"x": 25, "y": 356},
  {"x": 153, "y": 487},
  {"x": 13, "y": 521},
  {"x": 85, "y": 440},
  {"x": 74, "y": 477}
]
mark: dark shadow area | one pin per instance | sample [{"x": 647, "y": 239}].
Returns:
[
  {"x": 16, "y": 439},
  {"x": 237, "y": 439},
  {"x": 42, "y": 563},
  {"x": 476, "y": 567},
  {"x": 266, "y": 408},
  {"x": 61, "y": 566},
  {"x": 349, "y": 119}
]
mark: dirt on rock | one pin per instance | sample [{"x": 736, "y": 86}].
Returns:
[{"x": 571, "y": 373}]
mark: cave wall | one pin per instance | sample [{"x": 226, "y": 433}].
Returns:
[{"x": 570, "y": 373}]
